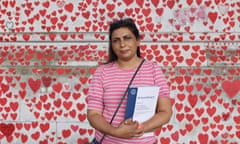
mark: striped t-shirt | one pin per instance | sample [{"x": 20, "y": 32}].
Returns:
[{"x": 107, "y": 87}]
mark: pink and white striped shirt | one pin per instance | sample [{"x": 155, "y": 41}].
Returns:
[{"x": 107, "y": 87}]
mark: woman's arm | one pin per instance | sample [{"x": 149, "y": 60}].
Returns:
[
  {"x": 98, "y": 122},
  {"x": 127, "y": 129},
  {"x": 162, "y": 116}
]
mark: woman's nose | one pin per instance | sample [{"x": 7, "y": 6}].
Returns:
[{"x": 122, "y": 43}]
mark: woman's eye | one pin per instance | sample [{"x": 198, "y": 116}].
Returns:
[
  {"x": 128, "y": 37},
  {"x": 115, "y": 40}
]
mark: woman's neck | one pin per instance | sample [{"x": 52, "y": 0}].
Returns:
[{"x": 129, "y": 64}]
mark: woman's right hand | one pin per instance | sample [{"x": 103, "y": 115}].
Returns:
[{"x": 129, "y": 129}]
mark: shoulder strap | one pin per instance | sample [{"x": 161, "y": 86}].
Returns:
[{"x": 125, "y": 93}]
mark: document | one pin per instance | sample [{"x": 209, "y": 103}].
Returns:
[{"x": 141, "y": 103}]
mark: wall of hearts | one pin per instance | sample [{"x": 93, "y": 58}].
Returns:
[{"x": 49, "y": 50}]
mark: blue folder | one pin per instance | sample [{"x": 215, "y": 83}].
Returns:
[{"x": 131, "y": 101}]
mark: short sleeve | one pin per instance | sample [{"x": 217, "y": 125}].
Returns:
[
  {"x": 95, "y": 91},
  {"x": 160, "y": 80}
]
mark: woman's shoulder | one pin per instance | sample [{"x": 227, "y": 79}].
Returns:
[
  {"x": 104, "y": 67},
  {"x": 154, "y": 66},
  {"x": 151, "y": 63}
]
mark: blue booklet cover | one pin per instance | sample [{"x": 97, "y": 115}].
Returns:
[
  {"x": 141, "y": 102},
  {"x": 131, "y": 101}
]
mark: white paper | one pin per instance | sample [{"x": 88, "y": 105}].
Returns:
[{"x": 145, "y": 106}]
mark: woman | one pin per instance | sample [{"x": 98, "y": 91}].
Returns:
[{"x": 110, "y": 81}]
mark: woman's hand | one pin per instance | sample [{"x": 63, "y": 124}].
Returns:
[{"x": 129, "y": 128}]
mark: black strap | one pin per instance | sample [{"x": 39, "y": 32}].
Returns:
[{"x": 124, "y": 95}]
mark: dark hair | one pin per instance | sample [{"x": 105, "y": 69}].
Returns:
[{"x": 128, "y": 23}]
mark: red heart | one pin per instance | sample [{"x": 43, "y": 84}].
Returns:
[
  {"x": 66, "y": 133},
  {"x": 203, "y": 138},
  {"x": 35, "y": 135},
  {"x": 46, "y": 4},
  {"x": 67, "y": 104},
  {"x": 74, "y": 127},
  {"x": 22, "y": 93},
  {"x": 14, "y": 105},
  {"x": 189, "y": 62},
  {"x": 170, "y": 3},
  {"x": 82, "y": 131},
  {"x": 225, "y": 116},
  {"x": 72, "y": 113},
  {"x": 82, "y": 117},
  {"x": 238, "y": 134},
  {"x": 211, "y": 111},
  {"x": 44, "y": 127},
  {"x": 76, "y": 96},
  {"x": 192, "y": 99},
  {"x": 38, "y": 105},
  {"x": 7, "y": 129},
  {"x": 127, "y": 2},
  {"x": 4, "y": 87},
  {"x": 34, "y": 84},
  {"x": 57, "y": 87},
  {"x": 10, "y": 78},
  {"x": 82, "y": 140},
  {"x": 212, "y": 16},
  {"x": 24, "y": 138},
  {"x": 66, "y": 95},
  {"x": 164, "y": 140},
  {"x": 155, "y": 2},
  {"x": 175, "y": 136},
  {"x": 46, "y": 81},
  {"x": 77, "y": 87},
  {"x": 5, "y": 4},
  {"x": 83, "y": 80},
  {"x": 90, "y": 131},
  {"x": 80, "y": 106},
  {"x": 189, "y": 2},
  {"x": 231, "y": 88},
  {"x": 69, "y": 7},
  {"x": 57, "y": 103}
]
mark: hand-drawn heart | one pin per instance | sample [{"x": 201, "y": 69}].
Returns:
[
  {"x": 82, "y": 117},
  {"x": 57, "y": 87},
  {"x": 46, "y": 81},
  {"x": 128, "y": 2},
  {"x": 175, "y": 136},
  {"x": 66, "y": 133},
  {"x": 4, "y": 87},
  {"x": 212, "y": 16},
  {"x": 69, "y": 7},
  {"x": 60, "y": 3},
  {"x": 26, "y": 37},
  {"x": 203, "y": 138},
  {"x": 192, "y": 99},
  {"x": 9, "y": 25},
  {"x": 7, "y": 129},
  {"x": 170, "y": 3},
  {"x": 34, "y": 84},
  {"x": 231, "y": 88},
  {"x": 74, "y": 127}
]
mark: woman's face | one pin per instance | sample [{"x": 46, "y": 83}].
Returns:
[{"x": 124, "y": 44}]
